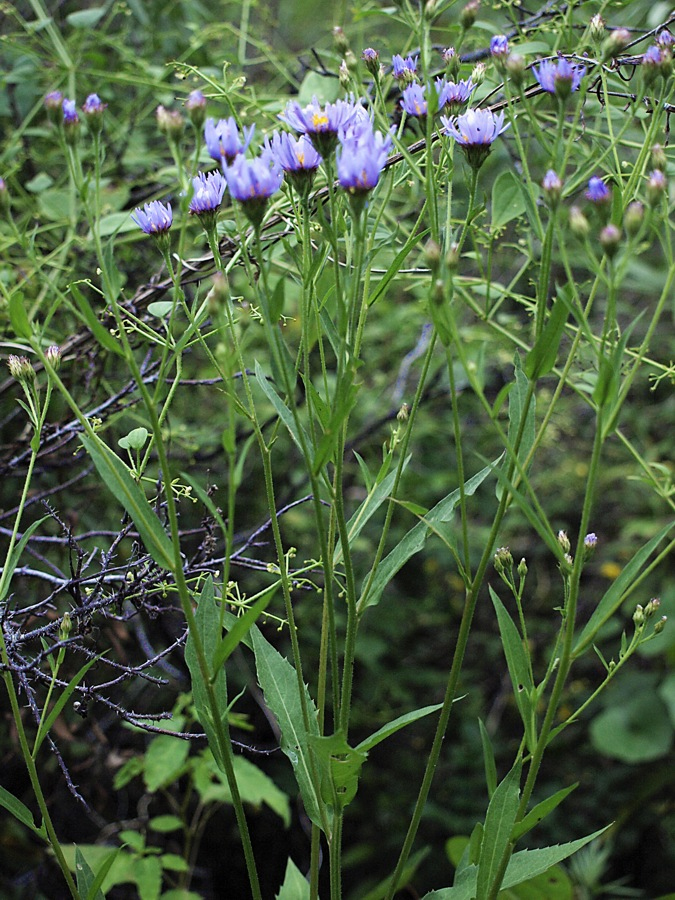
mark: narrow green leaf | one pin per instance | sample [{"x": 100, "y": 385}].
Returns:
[
  {"x": 18, "y": 316},
  {"x": 96, "y": 889},
  {"x": 616, "y": 594},
  {"x": 542, "y": 357},
  {"x": 540, "y": 811},
  {"x": 279, "y": 682},
  {"x": 239, "y": 629},
  {"x": 519, "y": 407},
  {"x": 295, "y": 886},
  {"x": 527, "y": 864},
  {"x": 277, "y": 301},
  {"x": 376, "y": 497},
  {"x": 395, "y": 725},
  {"x": 208, "y": 629},
  {"x": 414, "y": 540},
  {"x": 84, "y": 877},
  {"x": 282, "y": 410},
  {"x": 340, "y": 767},
  {"x": 13, "y": 561},
  {"x": 117, "y": 478},
  {"x": 523, "y": 866},
  {"x": 488, "y": 759},
  {"x": 43, "y": 731},
  {"x": 102, "y": 335},
  {"x": 21, "y": 812},
  {"x": 518, "y": 665},
  {"x": 499, "y": 822}
]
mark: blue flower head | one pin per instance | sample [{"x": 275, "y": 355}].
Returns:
[
  {"x": 207, "y": 193},
  {"x": 253, "y": 181},
  {"x": 297, "y": 157},
  {"x": 598, "y": 192},
  {"x": 360, "y": 160},
  {"x": 321, "y": 124},
  {"x": 454, "y": 97},
  {"x": 155, "y": 218},
  {"x": 93, "y": 106},
  {"x": 413, "y": 101},
  {"x": 499, "y": 46},
  {"x": 223, "y": 140},
  {"x": 559, "y": 77},
  {"x": 475, "y": 132},
  {"x": 70, "y": 116},
  {"x": 404, "y": 69}
]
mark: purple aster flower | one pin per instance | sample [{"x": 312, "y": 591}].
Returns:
[
  {"x": 475, "y": 132},
  {"x": 155, "y": 218},
  {"x": 413, "y": 101},
  {"x": 297, "y": 157},
  {"x": 664, "y": 38},
  {"x": 454, "y": 96},
  {"x": 652, "y": 57},
  {"x": 559, "y": 77},
  {"x": 321, "y": 124},
  {"x": 207, "y": 193},
  {"x": 70, "y": 116},
  {"x": 499, "y": 46},
  {"x": 372, "y": 60},
  {"x": 294, "y": 154},
  {"x": 223, "y": 140},
  {"x": 598, "y": 192},
  {"x": 93, "y": 106},
  {"x": 253, "y": 181},
  {"x": 360, "y": 160},
  {"x": 403, "y": 69}
]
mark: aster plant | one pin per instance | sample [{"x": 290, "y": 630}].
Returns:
[
  {"x": 559, "y": 77},
  {"x": 321, "y": 124},
  {"x": 224, "y": 141},
  {"x": 252, "y": 182}
]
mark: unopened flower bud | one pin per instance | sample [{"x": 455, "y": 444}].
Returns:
[
  {"x": 564, "y": 542},
  {"x": 597, "y": 27},
  {"x": 660, "y": 625},
  {"x": 343, "y": 75},
  {"x": 219, "y": 295},
  {"x": 666, "y": 64},
  {"x": 617, "y": 41},
  {"x": 478, "y": 74},
  {"x": 578, "y": 223},
  {"x": 452, "y": 257},
  {"x": 657, "y": 185},
  {"x": 371, "y": 58},
  {"x": 66, "y": 626},
  {"x": 499, "y": 50},
  {"x": 503, "y": 561},
  {"x": 659, "y": 158},
  {"x": 653, "y": 605},
  {"x": 452, "y": 62},
  {"x": 4, "y": 195},
  {"x": 53, "y": 355},
  {"x": 610, "y": 238},
  {"x": 403, "y": 413},
  {"x": 590, "y": 542},
  {"x": 664, "y": 38},
  {"x": 340, "y": 40},
  {"x": 552, "y": 187},
  {"x": 170, "y": 122},
  {"x": 522, "y": 568},
  {"x": 432, "y": 254},
  {"x": 20, "y": 368},
  {"x": 639, "y": 616},
  {"x": 515, "y": 68},
  {"x": 469, "y": 14},
  {"x": 196, "y": 109},
  {"x": 633, "y": 218},
  {"x": 53, "y": 104}
]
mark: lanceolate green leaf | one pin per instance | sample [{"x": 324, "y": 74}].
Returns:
[
  {"x": 541, "y": 358},
  {"x": 392, "y": 727},
  {"x": 117, "y": 478},
  {"x": 279, "y": 683},
  {"x": 61, "y": 702},
  {"x": 540, "y": 811},
  {"x": 524, "y": 865},
  {"x": 521, "y": 416},
  {"x": 499, "y": 822},
  {"x": 13, "y": 561},
  {"x": 616, "y": 594},
  {"x": 295, "y": 886},
  {"x": 518, "y": 666},
  {"x": 414, "y": 540},
  {"x": 21, "y": 812}
]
